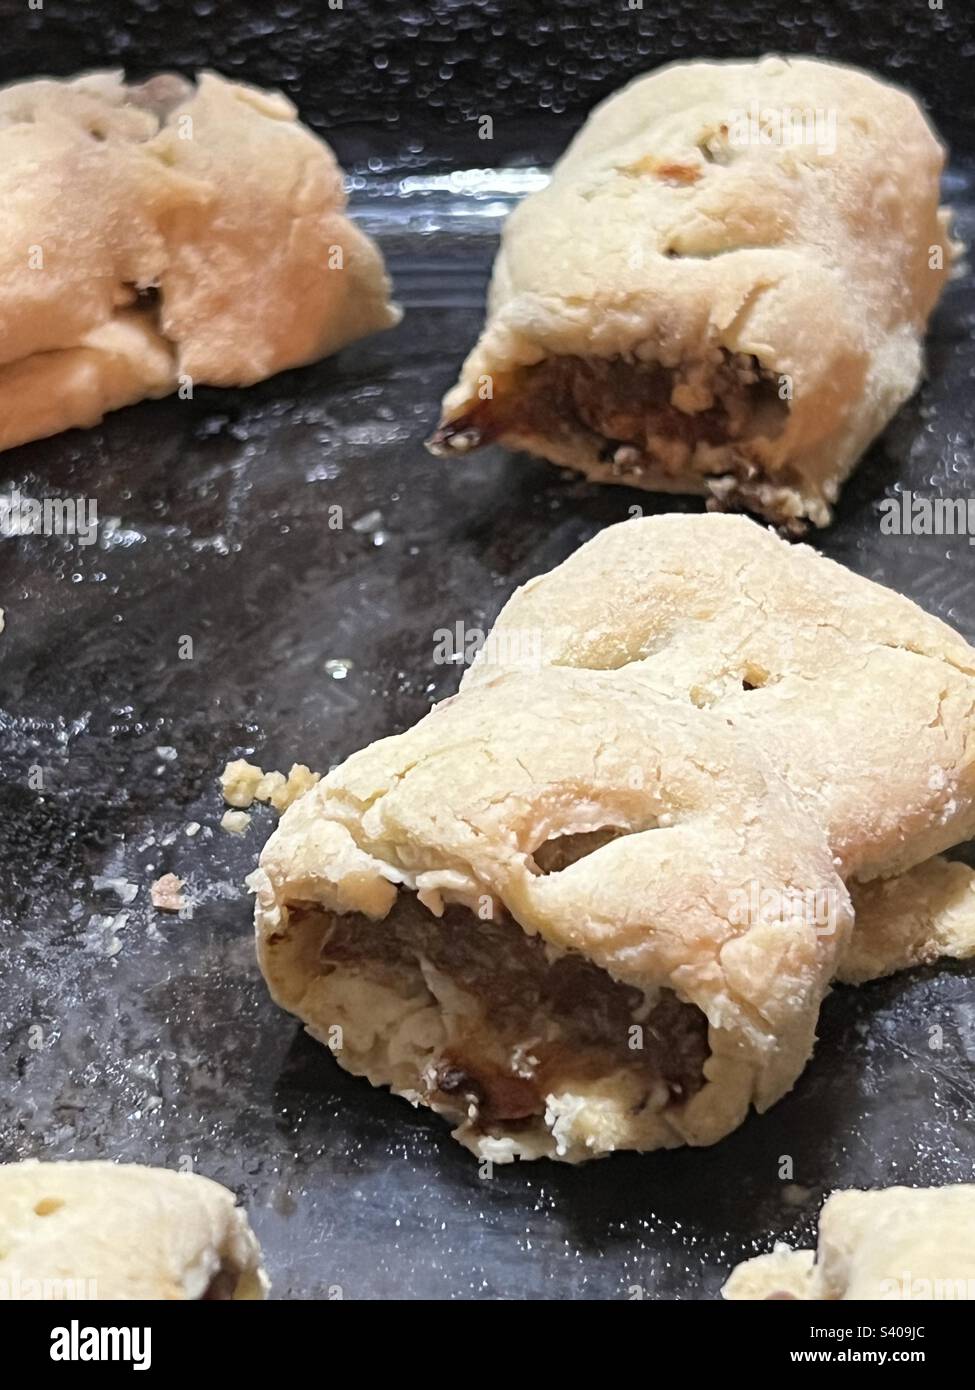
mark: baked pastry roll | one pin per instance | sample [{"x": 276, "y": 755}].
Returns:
[
  {"x": 722, "y": 290},
  {"x": 594, "y": 900},
  {"x": 163, "y": 234},
  {"x": 911, "y": 1243},
  {"x": 122, "y": 1231},
  {"x": 523, "y": 914}
]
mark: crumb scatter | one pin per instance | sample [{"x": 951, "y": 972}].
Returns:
[{"x": 167, "y": 894}]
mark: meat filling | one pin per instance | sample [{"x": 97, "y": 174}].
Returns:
[
  {"x": 529, "y": 1021},
  {"x": 639, "y": 417}
]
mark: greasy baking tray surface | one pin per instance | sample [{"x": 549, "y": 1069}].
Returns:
[{"x": 132, "y": 1034}]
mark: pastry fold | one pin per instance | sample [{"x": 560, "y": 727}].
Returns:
[
  {"x": 166, "y": 234},
  {"x": 594, "y": 900},
  {"x": 919, "y": 917},
  {"x": 526, "y": 913},
  {"x": 896, "y": 1243},
  {"x": 122, "y": 1231},
  {"x": 722, "y": 290}
]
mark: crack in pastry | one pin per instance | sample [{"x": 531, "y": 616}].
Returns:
[
  {"x": 687, "y": 310},
  {"x": 896, "y": 1243},
  {"x": 523, "y": 913},
  {"x": 122, "y": 1231},
  {"x": 135, "y": 216}
]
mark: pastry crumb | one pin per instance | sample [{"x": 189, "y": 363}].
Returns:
[
  {"x": 301, "y": 779},
  {"x": 167, "y": 894},
  {"x": 235, "y": 822},
  {"x": 243, "y": 783},
  {"x": 270, "y": 787},
  {"x": 239, "y": 782}
]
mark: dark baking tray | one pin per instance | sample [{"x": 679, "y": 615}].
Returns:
[{"x": 215, "y": 525}]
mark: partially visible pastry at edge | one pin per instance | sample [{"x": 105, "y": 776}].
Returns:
[
  {"x": 897, "y": 1243},
  {"x": 163, "y": 234},
  {"x": 594, "y": 901},
  {"x": 122, "y": 1231},
  {"x": 723, "y": 289}
]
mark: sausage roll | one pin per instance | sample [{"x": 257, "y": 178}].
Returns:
[
  {"x": 594, "y": 900},
  {"x": 910, "y": 1243},
  {"x": 722, "y": 290},
  {"x": 165, "y": 234},
  {"x": 121, "y": 1231}
]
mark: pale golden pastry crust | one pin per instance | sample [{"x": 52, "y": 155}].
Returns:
[
  {"x": 662, "y": 239},
  {"x": 860, "y": 699},
  {"x": 161, "y": 235},
  {"x": 897, "y": 1243},
  {"x": 122, "y": 1231},
  {"x": 455, "y": 808}
]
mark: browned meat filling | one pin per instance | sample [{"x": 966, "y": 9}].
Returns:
[
  {"x": 543, "y": 1021},
  {"x": 629, "y": 403},
  {"x": 640, "y": 415}
]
